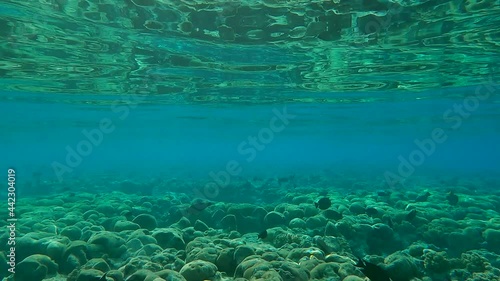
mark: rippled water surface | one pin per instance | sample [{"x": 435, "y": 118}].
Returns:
[{"x": 246, "y": 51}]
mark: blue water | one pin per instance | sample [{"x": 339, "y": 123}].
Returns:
[{"x": 190, "y": 141}]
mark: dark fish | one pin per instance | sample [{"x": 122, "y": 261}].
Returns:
[
  {"x": 411, "y": 215},
  {"x": 373, "y": 271},
  {"x": 282, "y": 180},
  {"x": 422, "y": 197},
  {"x": 323, "y": 203},
  {"x": 371, "y": 211},
  {"x": 197, "y": 206},
  {"x": 262, "y": 235},
  {"x": 452, "y": 198},
  {"x": 383, "y": 193}
]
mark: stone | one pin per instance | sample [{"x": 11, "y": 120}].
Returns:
[
  {"x": 198, "y": 270},
  {"x": 35, "y": 268},
  {"x": 229, "y": 222},
  {"x": 125, "y": 225},
  {"x": 297, "y": 223},
  {"x": 146, "y": 221},
  {"x": 273, "y": 219},
  {"x": 200, "y": 225},
  {"x": 169, "y": 238},
  {"x": 72, "y": 232},
  {"x": 241, "y": 252}
]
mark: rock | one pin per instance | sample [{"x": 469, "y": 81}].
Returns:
[
  {"x": 115, "y": 275},
  {"x": 273, "y": 219},
  {"x": 382, "y": 231},
  {"x": 247, "y": 264},
  {"x": 200, "y": 226},
  {"x": 309, "y": 263},
  {"x": 106, "y": 209},
  {"x": 269, "y": 275},
  {"x": 91, "y": 214},
  {"x": 106, "y": 242},
  {"x": 241, "y": 252},
  {"x": 299, "y": 253},
  {"x": 297, "y": 223},
  {"x": 292, "y": 212},
  {"x": 169, "y": 238},
  {"x": 35, "y": 268},
  {"x": 492, "y": 237},
  {"x": 208, "y": 254},
  {"x": 301, "y": 199},
  {"x": 225, "y": 261},
  {"x": 326, "y": 271},
  {"x": 98, "y": 263},
  {"x": 241, "y": 210},
  {"x": 331, "y": 229},
  {"x": 74, "y": 256},
  {"x": 149, "y": 250},
  {"x": 259, "y": 213},
  {"x": 317, "y": 221},
  {"x": 125, "y": 225},
  {"x": 198, "y": 271},
  {"x": 146, "y": 221},
  {"x": 31, "y": 243},
  {"x": 181, "y": 223},
  {"x": 170, "y": 275},
  {"x": 332, "y": 214},
  {"x": 357, "y": 208},
  {"x": 72, "y": 232},
  {"x": 290, "y": 271},
  {"x": 401, "y": 267},
  {"x": 143, "y": 237},
  {"x": 353, "y": 278},
  {"x": 137, "y": 275},
  {"x": 347, "y": 269},
  {"x": 338, "y": 259},
  {"x": 436, "y": 262},
  {"x": 55, "y": 250},
  {"x": 228, "y": 223},
  {"x": 134, "y": 244}
]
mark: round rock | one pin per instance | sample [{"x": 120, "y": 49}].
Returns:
[
  {"x": 198, "y": 270},
  {"x": 146, "y": 221}
]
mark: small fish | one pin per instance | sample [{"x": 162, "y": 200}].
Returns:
[
  {"x": 411, "y": 215},
  {"x": 263, "y": 234},
  {"x": 452, "y": 198},
  {"x": 286, "y": 179},
  {"x": 323, "y": 203},
  {"x": 423, "y": 197},
  {"x": 373, "y": 271}
]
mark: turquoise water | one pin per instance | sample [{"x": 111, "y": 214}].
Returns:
[
  {"x": 184, "y": 140},
  {"x": 192, "y": 140}
]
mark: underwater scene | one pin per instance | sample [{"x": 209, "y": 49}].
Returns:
[{"x": 252, "y": 140}]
